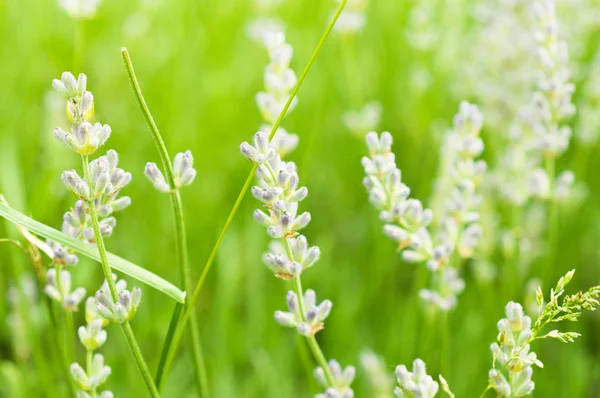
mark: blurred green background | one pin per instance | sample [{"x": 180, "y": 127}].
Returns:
[{"x": 200, "y": 72}]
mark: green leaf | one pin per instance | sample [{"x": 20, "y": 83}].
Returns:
[{"x": 116, "y": 262}]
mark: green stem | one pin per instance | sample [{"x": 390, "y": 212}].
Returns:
[
  {"x": 445, "y": 352},
  {"x": 553, "y": 223},
  {"x": 65, "y": 364},
  {"x": 183, "y": 260},
  {"x": 175, "y": 317},
  {"x": 133, "y": 345},
  {"x": 156, "y": 137},
  {"x": 69, "y": 335},
  {"x": 186, "y": 316},
  {"x": 180, "y": 235}
]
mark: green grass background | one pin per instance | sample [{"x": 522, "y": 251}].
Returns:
[{"x": 199, "y": 73}]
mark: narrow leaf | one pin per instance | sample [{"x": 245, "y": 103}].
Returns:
[{"x": 116, "y": 262}]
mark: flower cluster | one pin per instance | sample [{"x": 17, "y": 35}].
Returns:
[
  {"x": 279, "y": 80},
  {"x": 364, "y": 120},
  {"x": 503, "y": 29},
  {"x": 183, "y": 173},
  {"x": 59, "y": 287},
  {"x": 100, "y": 187},
  {"x": 124, "y": 309},
  {"x": 512, "y": 359},
  {"x": 90, "y": 220},
  {"x": 99, "y": 312},
  {"x": 342, "y": 377},
  {"x": 405, "y": 218},
  {"x": 105, "y": 183},
  {"x": 290, "y": 254},
  {"x": 457, "y": 201},
  {"x": 88, "y": 381},
  {"x": 352, "y": 19},
  {"x": 416, "y": 383},
  {"x": 552, "y": 103},
  {"x": 307, "y": 320},
  {"x": 512, "y": 353},
  {"x": 279, "y": 191}
]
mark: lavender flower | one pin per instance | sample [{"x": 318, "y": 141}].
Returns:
[
  {"x": 59, "y": 288},
  {"x": 416, "y": 383},
  {"x": 308, "y": 320},
  {"x": 343, "y": 379},
  {"x": 183, "y": 173}
]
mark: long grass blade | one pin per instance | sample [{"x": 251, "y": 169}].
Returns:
[{"x": 116, "y": 262}]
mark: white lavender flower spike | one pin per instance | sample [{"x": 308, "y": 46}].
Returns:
[
  {"x": 343, "y": 378},
  {"x": 514, "y": 334},
  {"x": 416, "y": 383},
  {"x": 406, "y": 218},
  {"x": 96, "y": 375},
  {"x": 309, "y": 323}
]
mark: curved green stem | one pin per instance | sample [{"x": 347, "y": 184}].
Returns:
[
  {"x": 131, "y": 340},
  {"x": 180, "y": 238},
  {"x": 238, "y": 201},
  {"x": 156, "y": 137}
]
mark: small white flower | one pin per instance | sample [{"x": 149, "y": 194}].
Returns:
[
  {"x": 416, "y": 383},
  {"x": 309, "y": 323},
  {"x": 59, "y": 289},
  {"x": 343, "y": 378},
  {"x": 94, "y": 377}
]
